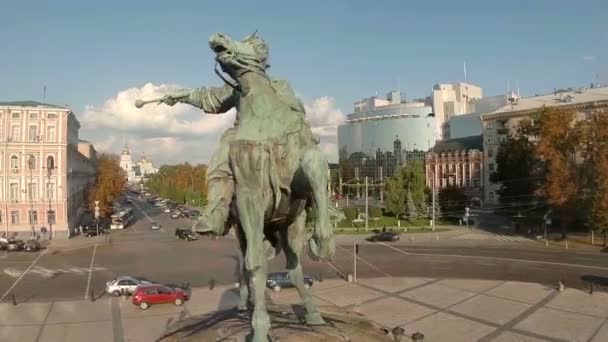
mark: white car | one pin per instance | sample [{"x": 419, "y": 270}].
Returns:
[
  {"x": 167, "y": 210},
  {"x": 124, "y": 285},
  {"x": 156, "y": 226}
]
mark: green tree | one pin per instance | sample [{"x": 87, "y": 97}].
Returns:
[
  {"x": 412, "y": 208},
  {"x": 182, "y": 183},
  {"x": 518, "y": 167},
  {"x": 452, "y": 200},
  {"x": 409, "y": 178}
]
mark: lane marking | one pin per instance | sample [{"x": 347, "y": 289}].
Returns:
[
  {"x": 21, "y": 276},
  {"x": 365, "y": 262},
  {"x": 504, "y": 259},
  {"x": 86, "y": 291},
  {"x": 391, "y": 247}
]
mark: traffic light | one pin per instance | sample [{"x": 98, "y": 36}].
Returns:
[{"x": 356, "y": 248}]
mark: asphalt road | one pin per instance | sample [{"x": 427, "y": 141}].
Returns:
[{"x": 156, "y": 255}]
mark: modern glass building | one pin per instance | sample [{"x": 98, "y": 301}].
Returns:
[{"x": 383, "y": 134}]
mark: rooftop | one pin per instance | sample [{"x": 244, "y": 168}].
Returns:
[
  {"x": 558, "y": 98},
  {"x": 31, "y": 104},
  {"x": 474, "y": 142}
]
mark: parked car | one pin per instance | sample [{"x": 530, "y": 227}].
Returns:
[
  {"x": 176, "y": 215},
  {"x": 124, "y": 285},
  {"x": 90, "y": 231},
  {"x": 279, "y": 280},
  {"x": 147, "y": 295},
  {"x": 185, "y": 234},
  {"x": 384, "y": 236},
  {"x": 14, "y": 245},
  {"x": 155, "y": 226},
  {"x": 167, "y": 210},
  {"x": 31, "y": 246}
]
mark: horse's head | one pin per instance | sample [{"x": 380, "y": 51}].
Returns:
[{"x": 237, "y": 57}]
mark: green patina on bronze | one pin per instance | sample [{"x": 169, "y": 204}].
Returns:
[{"x": 266, "y": 176}]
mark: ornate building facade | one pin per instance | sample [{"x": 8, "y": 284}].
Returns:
[
  {"x": 457, "y": 162},
  {"x": 45, "y": 169}
]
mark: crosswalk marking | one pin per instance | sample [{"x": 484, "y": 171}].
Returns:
[
  {"x": 51, "y": 272},
  {"x": 484, "y": 235}
]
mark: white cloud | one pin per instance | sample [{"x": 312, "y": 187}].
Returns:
[
  {"x": 589, "y": 58},
  {"x": 180, "y": 133}
]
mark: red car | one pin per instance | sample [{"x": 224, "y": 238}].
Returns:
[{"x": 147, "y": 295}]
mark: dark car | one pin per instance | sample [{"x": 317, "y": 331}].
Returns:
[
  {"x": 89, "y": 231},
  {"x": 384, "y": 236},
  {"x": 185, "y": 234},
  {"x": 31, "y": 246},
  {"x": 14, "y": 245},
  {"x": 280, "y": 280}
]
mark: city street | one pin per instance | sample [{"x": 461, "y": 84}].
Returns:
[{"x": 71, "y": 273}]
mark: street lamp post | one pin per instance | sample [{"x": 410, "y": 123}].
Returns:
[
  {"x": 97, "y": 216},
  {"x": 30, "y": 163},
  {"x": 49, "y": 172}
]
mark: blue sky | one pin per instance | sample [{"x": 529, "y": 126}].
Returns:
[{"x": 86, "y": 52}]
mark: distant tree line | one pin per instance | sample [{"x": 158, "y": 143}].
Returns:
[{"x": 182, "y": 183}]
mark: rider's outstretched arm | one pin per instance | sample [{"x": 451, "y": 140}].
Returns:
[{"x": 212, "y": 100}]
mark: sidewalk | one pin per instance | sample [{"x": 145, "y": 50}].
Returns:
[{"x": 442, "y": 309}]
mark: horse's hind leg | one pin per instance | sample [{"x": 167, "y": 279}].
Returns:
[
  {"x": 314, "y": 166},
  {"x": 242, "y": 270},
  {"x": 293, "y": 241}
]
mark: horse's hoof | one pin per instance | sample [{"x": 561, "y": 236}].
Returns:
[{"x": 314, "y": 319}]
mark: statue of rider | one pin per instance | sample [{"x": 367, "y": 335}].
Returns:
[{"x": 218, "y": 100}]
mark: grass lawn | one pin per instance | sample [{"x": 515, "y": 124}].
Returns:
[{"x": 389, "y": 222}]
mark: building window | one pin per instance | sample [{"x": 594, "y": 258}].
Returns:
[
  {"x": 14, "y": 217},
  {"x": 50, "y": 191},
  {"x": 491, "y": 167},
  {"x": 52, "y": 116},
  {"x": 14, "y": 192},
  {"x": 33, "y": 133},
  {"x": 15, "y": 130},
  {"x": 33, "y": 116},
  {"x": 50, "y": 217},
  {"x": 476, "y": 183},
  {"x": 0, "y": 217},
  {"x": 31, "y": 162},
  {"x": 32, "y": 191},
  {"x": 489, "y": 124},
  {"x": 15, "y": 115},
  {"x": 468, "y": 182},
  {"x": 50, "y": 162},
  {"x": 14, "y": 162},
  {"x": 491, "y": 152},
  {"x": 491, "y": 196},
  {"x": 33, "y": 217},
  {"x": 50, "y": 134}
]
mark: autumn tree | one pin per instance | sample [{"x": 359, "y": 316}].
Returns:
[
  {"x": 109, "y": 184},
  {"x": 597, "y": 160},
  {"x": 559, "y": 147}
]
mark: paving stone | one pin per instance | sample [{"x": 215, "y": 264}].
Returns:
[
  {"x": 393, "y": 284},
  {"x": 205, "y": 300},
  {"x": 148, "y": 328},
  {"x": 97, "y": 331},
  {"x": 559, "y": 324},
  {"x": 392, "y": 312},
  {"x": 347, "y": 294},
  {"x": 602, "y": 334},
  {"x": 81, "y": 311},
  {"x": 476, "y": 285},
  {"x": 24, "y": 313},
  {"x": 438, "y": 295},
  {"x": 595, "y": 304},
  {"x": 495, "y": 310},
  {"x": 514, "y": 337},
  {"x": 446, "y": 327},
  {"x": 26, "y": 333},
  {"x": 523, "y": 292}
]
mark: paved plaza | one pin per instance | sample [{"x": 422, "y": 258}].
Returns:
[{"x": 442, "y": 309}]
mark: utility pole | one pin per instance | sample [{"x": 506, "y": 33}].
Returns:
[
  {"x": 97, "y": 216},
  {"x": 30, "y": 164},
  {"x": 366, "y": 204},
  {"x": 381, "y": 186},
  {"x": 355, "y": 252}
]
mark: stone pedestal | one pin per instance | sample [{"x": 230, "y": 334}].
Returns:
[{"x": 287, "y": 326}]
